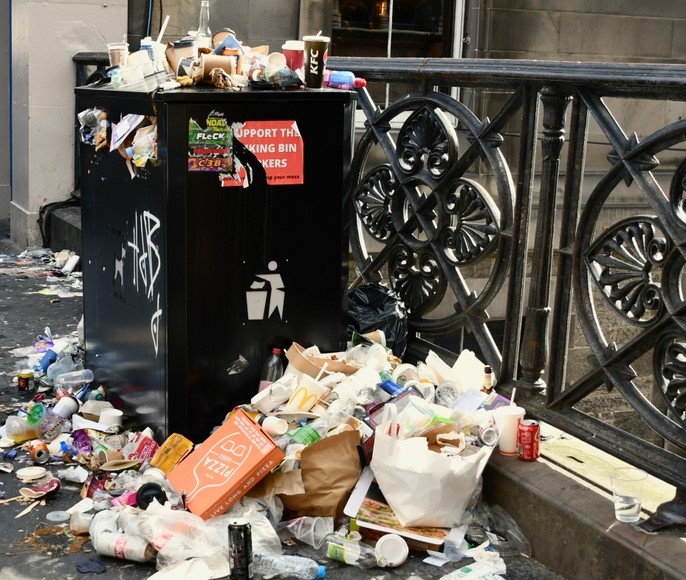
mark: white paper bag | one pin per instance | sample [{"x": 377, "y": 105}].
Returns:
[{"x": 422, "y": 487}]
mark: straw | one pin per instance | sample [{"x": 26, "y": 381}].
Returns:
[
  {"x": 514, "y": 391},
  {"x": 321, "y": 372},
  {"x": 164, "y": 27}
]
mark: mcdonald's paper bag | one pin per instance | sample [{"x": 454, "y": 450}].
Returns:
[{"x": 422, "y": 487}]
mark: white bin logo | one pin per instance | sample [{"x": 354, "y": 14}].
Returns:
[{"x": 266, "y": 295}]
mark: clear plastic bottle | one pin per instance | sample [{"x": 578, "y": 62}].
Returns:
[
  {"x": 74, "y": 378},
  {"x": 313, "y": 431},
  {"x": 204, "y": 34},
  {"x": 352, "y": 551},
  {"x": 285, "y": 566},
  {"x": 62, "y": 365},
  {"x": 272, "y": 370}
]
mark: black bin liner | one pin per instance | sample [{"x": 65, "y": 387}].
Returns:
[{"x": 376, "y": 307}]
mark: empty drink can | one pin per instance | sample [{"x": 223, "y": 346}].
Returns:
[
  {"x": 240, "y": 549},
  {"x": 40, "y": 452},
  {"x": 24, "y": 379},
  {"x": 528, "y": 440}
]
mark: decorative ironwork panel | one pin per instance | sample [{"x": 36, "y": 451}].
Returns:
[
  {"x": 635, "y": 267},
  {"x": 420, "y": 218}
]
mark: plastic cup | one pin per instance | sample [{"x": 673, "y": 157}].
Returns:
[
  {"x": 80, "y": 523},
  {"x": 271, "y": 397},
  {"x": 118, "y": 53},
  {"x": 19, "y": 430},
  {"x": 507, "y": 420},
  {"x": 310, "y": 530},
  {"x": 294, "y": 51},
  {"x": 316, "y": 53},
  {"x": 627, "y": 492}
]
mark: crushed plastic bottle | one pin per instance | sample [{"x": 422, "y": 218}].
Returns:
[
  {"x": 352, "y": 551},
  {"x": 285, "y": 566}
]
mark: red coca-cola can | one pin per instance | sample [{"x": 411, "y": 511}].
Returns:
[{"x": 528, "y": 440}]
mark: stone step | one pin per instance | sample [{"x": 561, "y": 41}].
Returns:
[
  {"x": 65, "y": 229},
  {"x": 563, "y": 505}
]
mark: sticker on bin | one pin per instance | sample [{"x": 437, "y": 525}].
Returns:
[{"x": 277, "y": 146}]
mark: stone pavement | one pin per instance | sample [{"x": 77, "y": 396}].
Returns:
[{"x": 32, "y": 546}]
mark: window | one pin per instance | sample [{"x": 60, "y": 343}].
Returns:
[{"x": 398, "y": 28}]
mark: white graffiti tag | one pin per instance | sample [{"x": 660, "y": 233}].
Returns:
[{"x": 145, "y": 256}]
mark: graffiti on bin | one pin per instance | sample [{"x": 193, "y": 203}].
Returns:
[{"x": 142, "y": 254}]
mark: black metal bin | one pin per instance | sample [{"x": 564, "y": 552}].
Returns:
[{"x": 231, "y": 240}]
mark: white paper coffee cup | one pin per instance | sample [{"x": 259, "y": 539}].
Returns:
[
  {"x": 507, "y": 420},
  {"x": 111, "y": 417},
  {"x": 274, "y": 426}
]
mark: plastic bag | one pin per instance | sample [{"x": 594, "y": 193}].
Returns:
[
  {"x": 493, "y": 523},
  {"x": 264, "y": 537},
  {"x": 376, "y": 307},
  {"x": 178, "y": 535}
]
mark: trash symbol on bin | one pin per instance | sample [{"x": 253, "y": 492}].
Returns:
[{"x": 266, "y": 291}]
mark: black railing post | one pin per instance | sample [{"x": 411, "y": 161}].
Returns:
[
  {"x": 571, "y": 208},
  {"x": 534, "y": 352}
]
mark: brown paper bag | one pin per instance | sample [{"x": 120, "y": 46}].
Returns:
[{"x": 329, "y": 470}]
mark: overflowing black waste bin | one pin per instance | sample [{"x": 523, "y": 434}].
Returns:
[{"x": 215, "y": 226}]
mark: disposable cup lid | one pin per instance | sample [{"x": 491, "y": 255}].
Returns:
[
  {"x": 58, "y": 516},
  {"x": 393, "y": 548}
]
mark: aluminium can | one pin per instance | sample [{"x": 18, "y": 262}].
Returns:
[
  {"x": 240, "y": 549},
  {"x": 40, "y": 452},
  {"x": 528, "y": 440}
]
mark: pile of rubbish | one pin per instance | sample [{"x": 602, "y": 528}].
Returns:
[
  {"x": 329, "y": 451},
  {"x": 224, "y": 61}
]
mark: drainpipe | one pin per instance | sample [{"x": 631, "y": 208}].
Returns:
[{"x": 139, "y": 22}]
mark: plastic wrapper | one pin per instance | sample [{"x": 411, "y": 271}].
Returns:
[
  {"x": 178, "y": 535},
  {"x": 376, "y": 307},
  {"x": 494, "y": 524}
]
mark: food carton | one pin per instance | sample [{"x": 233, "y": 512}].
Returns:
[{"x": 222, "y": 469}]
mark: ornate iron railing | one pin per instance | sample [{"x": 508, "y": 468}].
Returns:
[{"x": 456, "y": 212}]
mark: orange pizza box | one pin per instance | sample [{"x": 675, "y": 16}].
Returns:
[{"x": 222, "y": 469}]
